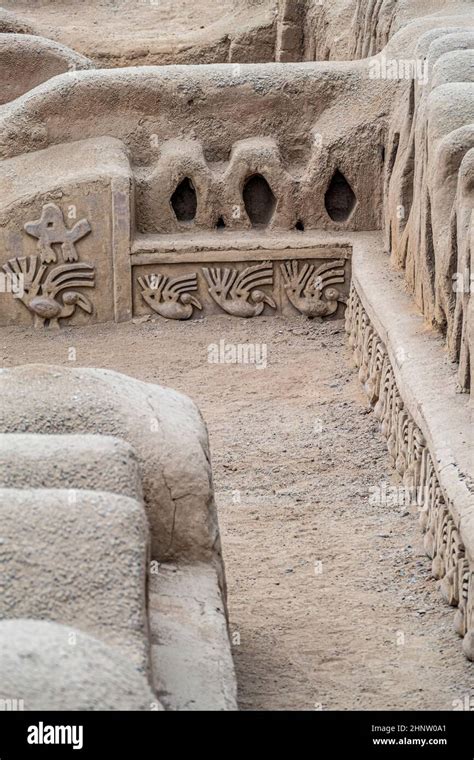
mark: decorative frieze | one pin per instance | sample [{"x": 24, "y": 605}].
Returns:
[
  {"x": 189, "y": 286},
  {"x": 411, "y": 457}
]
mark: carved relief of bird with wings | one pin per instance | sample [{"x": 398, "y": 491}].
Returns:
[
  {"x": 312, "y": 290},
  {"x": 171, "y": 299},
  {"x": 239, "y": 293},
  {"x": 40, "y": 295}
]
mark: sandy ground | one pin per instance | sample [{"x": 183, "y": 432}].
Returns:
[
  {"x": 136, "y": 32},
  {"x": 330, "y": 596}
]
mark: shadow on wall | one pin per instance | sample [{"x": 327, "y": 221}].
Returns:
[
  {"x": 339, "y": 198},
  {"x": 259, "y": 201},
  {"x": 184, "y": 201}
]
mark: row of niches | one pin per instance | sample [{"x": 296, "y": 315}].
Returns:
[
  {"x": 260, "y": 202},
  {"x": 181, "y": 192}
]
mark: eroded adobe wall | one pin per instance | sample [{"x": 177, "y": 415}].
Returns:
[
  {"x": 428, "y": 186},
  {"x": 106, "y": 172},
  {"x": 354, "y": 29},
  {"x": 380, "y": 142},
  {"x": 92, "y": 676},
  {"x": 65, "y": 227},
  {"x": 110, "y": 537},
  {"x": 147, "y": 32},
  {"x": 425, "y": 420},
  {"x": 428, "y": 47},
  {"x": 164, "y": 427},
  {"x": 219, "y": 124},
  {"x": 11, "y": 24},
  {"x": 26, "y": 61},
  {"x": 376, "y": 22}
]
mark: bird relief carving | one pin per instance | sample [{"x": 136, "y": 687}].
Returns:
[
  {"x": 311, "y": 290},
  {"x": 51, "y": 293},
  {"x": 50, "y": 229},
  {"x": 239, "y": 293},
  {"x": 170, "y": 298}
]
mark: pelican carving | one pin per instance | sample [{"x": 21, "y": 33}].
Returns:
[
  {"x": 53, "y": 297},
  {"x": 171, "y": 299},
  {"x": 239, "y": 293},
  {"x": 312, "y": 290}
]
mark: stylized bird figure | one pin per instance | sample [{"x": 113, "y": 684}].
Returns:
[
  {"x": 171, "y": 299},
  {"x": 50, "y": 229},
  {"x": 311, "y": 290},
  {"x": 40, "y": 296},
  {"x": 238, "y": 293}
]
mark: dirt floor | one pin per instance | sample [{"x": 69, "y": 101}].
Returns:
[{"x": 330, "y": 596}]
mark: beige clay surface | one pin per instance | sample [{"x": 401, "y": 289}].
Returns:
[{"x": 135, "y": 32}]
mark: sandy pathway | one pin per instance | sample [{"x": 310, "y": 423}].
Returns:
[{"x": 330, "y": 596}]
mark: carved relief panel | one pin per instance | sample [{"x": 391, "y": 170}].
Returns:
[
  {"x": 58, "y": 269},
  {"x": 410, "y": 455},
  {"x": 246, "y": 288}
]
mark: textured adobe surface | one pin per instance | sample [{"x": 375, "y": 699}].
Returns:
[
  {"x": 91, "y": 462},
  {"x": 77, "y": 558},
  {"x": 56, "y": 667},
  {"x": 190, "y": 653},
  {"x": 149, "y": 32},
  {"x": 235, "y": 182},
  {"x": 164, "y": 428}
]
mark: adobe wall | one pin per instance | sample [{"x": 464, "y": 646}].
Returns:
[{"x": 110, "y": 547}]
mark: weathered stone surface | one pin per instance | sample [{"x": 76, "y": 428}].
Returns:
[
  {"x": 312, "y": 113},
  {"x": 11, "y": 24},
  {"x": 164, "y": 428},
  {"x": 429, "y": 434},
  {"x": 148, "y": 33},
  {"x": 102, "y": 172},
  {"x": 47, "y": 666},
  {"x": 190, "y": 646},
  {"x": 78, "y": 558},
  {"x": 27, "y": 61},
  {"x": 87, "y": 462},
  {"x": 431, "y": 133}
]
